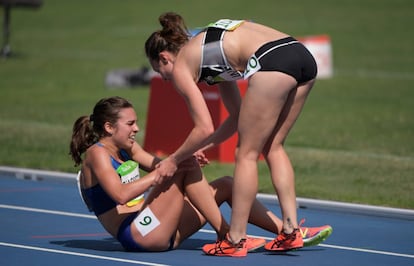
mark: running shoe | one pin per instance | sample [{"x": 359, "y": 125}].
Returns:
[
  {"x": 226, "y": 248},
  {"x": 285, "y": 242},
  {"x": 254, "y": 243},
  {"x": 313, "y": 236}
]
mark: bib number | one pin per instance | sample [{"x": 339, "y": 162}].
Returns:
[
  {"x": 146, "y": 222},
  {"x": 128, "y": 171},
  {"x": 253, "y": 65},
  {"x": 226, "y": 24}
]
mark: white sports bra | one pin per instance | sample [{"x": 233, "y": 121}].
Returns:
[{"x": 214, "y": 67}]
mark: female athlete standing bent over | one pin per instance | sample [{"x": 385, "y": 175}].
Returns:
[{"x": 280, "y": 73}]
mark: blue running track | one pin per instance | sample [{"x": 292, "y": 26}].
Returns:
[{"x": 44, "y": 222}]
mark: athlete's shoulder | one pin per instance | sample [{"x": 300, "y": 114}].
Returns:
[{"x": 96, "y": 155}]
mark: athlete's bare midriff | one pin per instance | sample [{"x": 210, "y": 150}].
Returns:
[{"x": 239, "y": 45}]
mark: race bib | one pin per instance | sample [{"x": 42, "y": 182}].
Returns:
[
  {"x": 129, "y": 171},
  {"x": 146, "y": 221},
  {"x": 226, "y": 24},
  {"x": 253, "y": 65}
]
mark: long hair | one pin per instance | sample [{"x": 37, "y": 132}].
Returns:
[
  {"x": 173, "y": 35},
  {"x": 87, "y": 130}
]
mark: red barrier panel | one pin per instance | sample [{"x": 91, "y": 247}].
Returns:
[{"x": 169, "y": 122}]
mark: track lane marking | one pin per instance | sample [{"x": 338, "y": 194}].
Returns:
[
  {"x": 79, "y": 254},
  {"x": 14, "y": 207}
]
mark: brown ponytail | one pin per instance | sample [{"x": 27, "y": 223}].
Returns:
[
  {"x": 83, "y": 137},
  {"x": 171, "y": 37}
]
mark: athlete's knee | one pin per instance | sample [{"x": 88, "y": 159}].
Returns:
[
  {"x": 189, "y": 162},
  {"x": 275, "y": 151},
  {"x": 222, "y": 189},
  {"x": 251, "y": 155}
]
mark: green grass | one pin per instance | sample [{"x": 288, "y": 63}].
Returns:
[{"x": 353, "y": 142}]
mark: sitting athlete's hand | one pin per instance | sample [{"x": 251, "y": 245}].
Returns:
[{"x": 167, "y": 167}]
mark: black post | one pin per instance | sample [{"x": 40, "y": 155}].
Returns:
[{"x": 6, "y": 50}]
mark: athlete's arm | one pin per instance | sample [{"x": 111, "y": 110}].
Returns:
[
  {"x": 203, "y": 123},
  {"x": 146, "y": 161},
  {"x": 230, "y": 95},
  {"x": 101, "y": 167},
  {"x": 184, "y": 82}
]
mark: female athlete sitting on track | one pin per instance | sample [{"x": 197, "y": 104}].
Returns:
[{"x": 104, "y": 145}]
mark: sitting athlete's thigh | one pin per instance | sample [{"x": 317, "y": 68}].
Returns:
[
  {"x": 165, "y": 203},
  {"x": 167, "y": 199}
]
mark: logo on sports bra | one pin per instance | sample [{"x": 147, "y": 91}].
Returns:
[{"x": 229, "y": 75}]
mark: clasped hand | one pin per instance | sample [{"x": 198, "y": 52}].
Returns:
[
  {"x": 166, "y": 169},
  {"x": 201, "y": 158}
]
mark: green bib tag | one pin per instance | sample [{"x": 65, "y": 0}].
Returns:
[{"x": 129, "y": 171}]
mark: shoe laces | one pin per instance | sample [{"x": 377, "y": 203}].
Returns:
[
  {"x": 284, "y": 237},
  {"x": 239, "y": 245},
  {"x": 221, "y": 249}
]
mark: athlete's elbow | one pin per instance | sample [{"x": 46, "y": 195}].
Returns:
[
  {"x": 207, "y": 131},
  {"x": 121, "y": 198}
]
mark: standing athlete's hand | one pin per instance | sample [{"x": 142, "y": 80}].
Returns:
[
  {"x": 167, "y": 167},
  {"x": 201, "y": 158}
]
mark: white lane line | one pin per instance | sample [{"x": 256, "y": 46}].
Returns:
[
  {"x": 21, "y": 208},
  {"x": 79, "y": 254},
  {"x": 369, "y": 251},
  {"x": 206, "y": 231}
]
